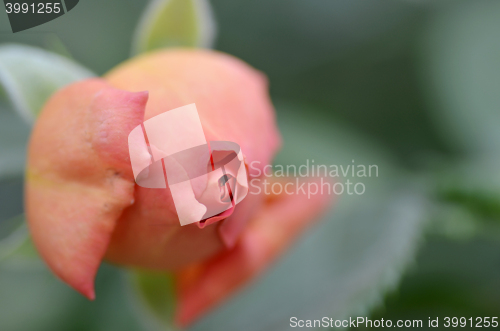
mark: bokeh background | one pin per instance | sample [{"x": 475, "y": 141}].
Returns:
[{"x": 411, "y": 86}]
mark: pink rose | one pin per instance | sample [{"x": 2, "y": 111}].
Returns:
[{"x": 83, "y": 205}]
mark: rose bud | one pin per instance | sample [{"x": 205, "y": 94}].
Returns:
[{"x": 83, "y": 205}]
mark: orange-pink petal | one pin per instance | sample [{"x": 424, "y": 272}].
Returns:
[
  {"x": 282, "y": 218},
  {"x": 79, "y": 178}
]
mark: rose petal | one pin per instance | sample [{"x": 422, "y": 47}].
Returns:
[
  {"x": 79, "y": 177},
  {"x": 273, "y": 229}
]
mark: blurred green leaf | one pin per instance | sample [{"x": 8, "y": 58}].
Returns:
[
  {"x": 33, "y": 299},
  {"x": 30, "y": 76},
  {"x": 29, "y": 288},
  {"x": 13, "y": 234},
  {"x": 16, "y": 246},
  {"x": 454, "y": 279},
  {"x": 154, "y": 298},
  {"x": 454, "y": 222},
  {"x": 175, "y": 23},
  {"x": 14, "y": 133},
  {"x": 460, "y": 58},
  {"x": 343, "y": 266},
  {"x": 468, "y": 197},
  {"x": 476, "y": 187}
]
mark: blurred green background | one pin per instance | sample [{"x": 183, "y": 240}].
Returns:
[{"x": 413, "y": 86}]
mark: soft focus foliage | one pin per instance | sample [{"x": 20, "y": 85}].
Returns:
[
  {"x": 175, "y": 23},
  {"x": 408, "y": 85},
  {"x": 29, "y": 76}
]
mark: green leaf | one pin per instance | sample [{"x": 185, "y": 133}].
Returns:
[
  {"x": 29, "y": 288},
  {"x": 154, "y": 298},
  {"x": 36, "y": 292},
  {"x": 460, "y": 58},
  {"x": 344, "y": 265},
  {"x": 15, "y": 239},
  {"x": 31, "y": 75},
  {"x": 14, "y": 133},
  {"x": 16, "y": 245},
  {"x": 474, "y": 185},
  {"x": 453, "y": 278},
  {"x": 175, "y": 23},
  {"x": 468, "y": 199}
]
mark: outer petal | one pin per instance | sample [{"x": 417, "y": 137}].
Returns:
[
  {"x": 268, "y": 234},
  {"x": 79, "y": 177}
]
